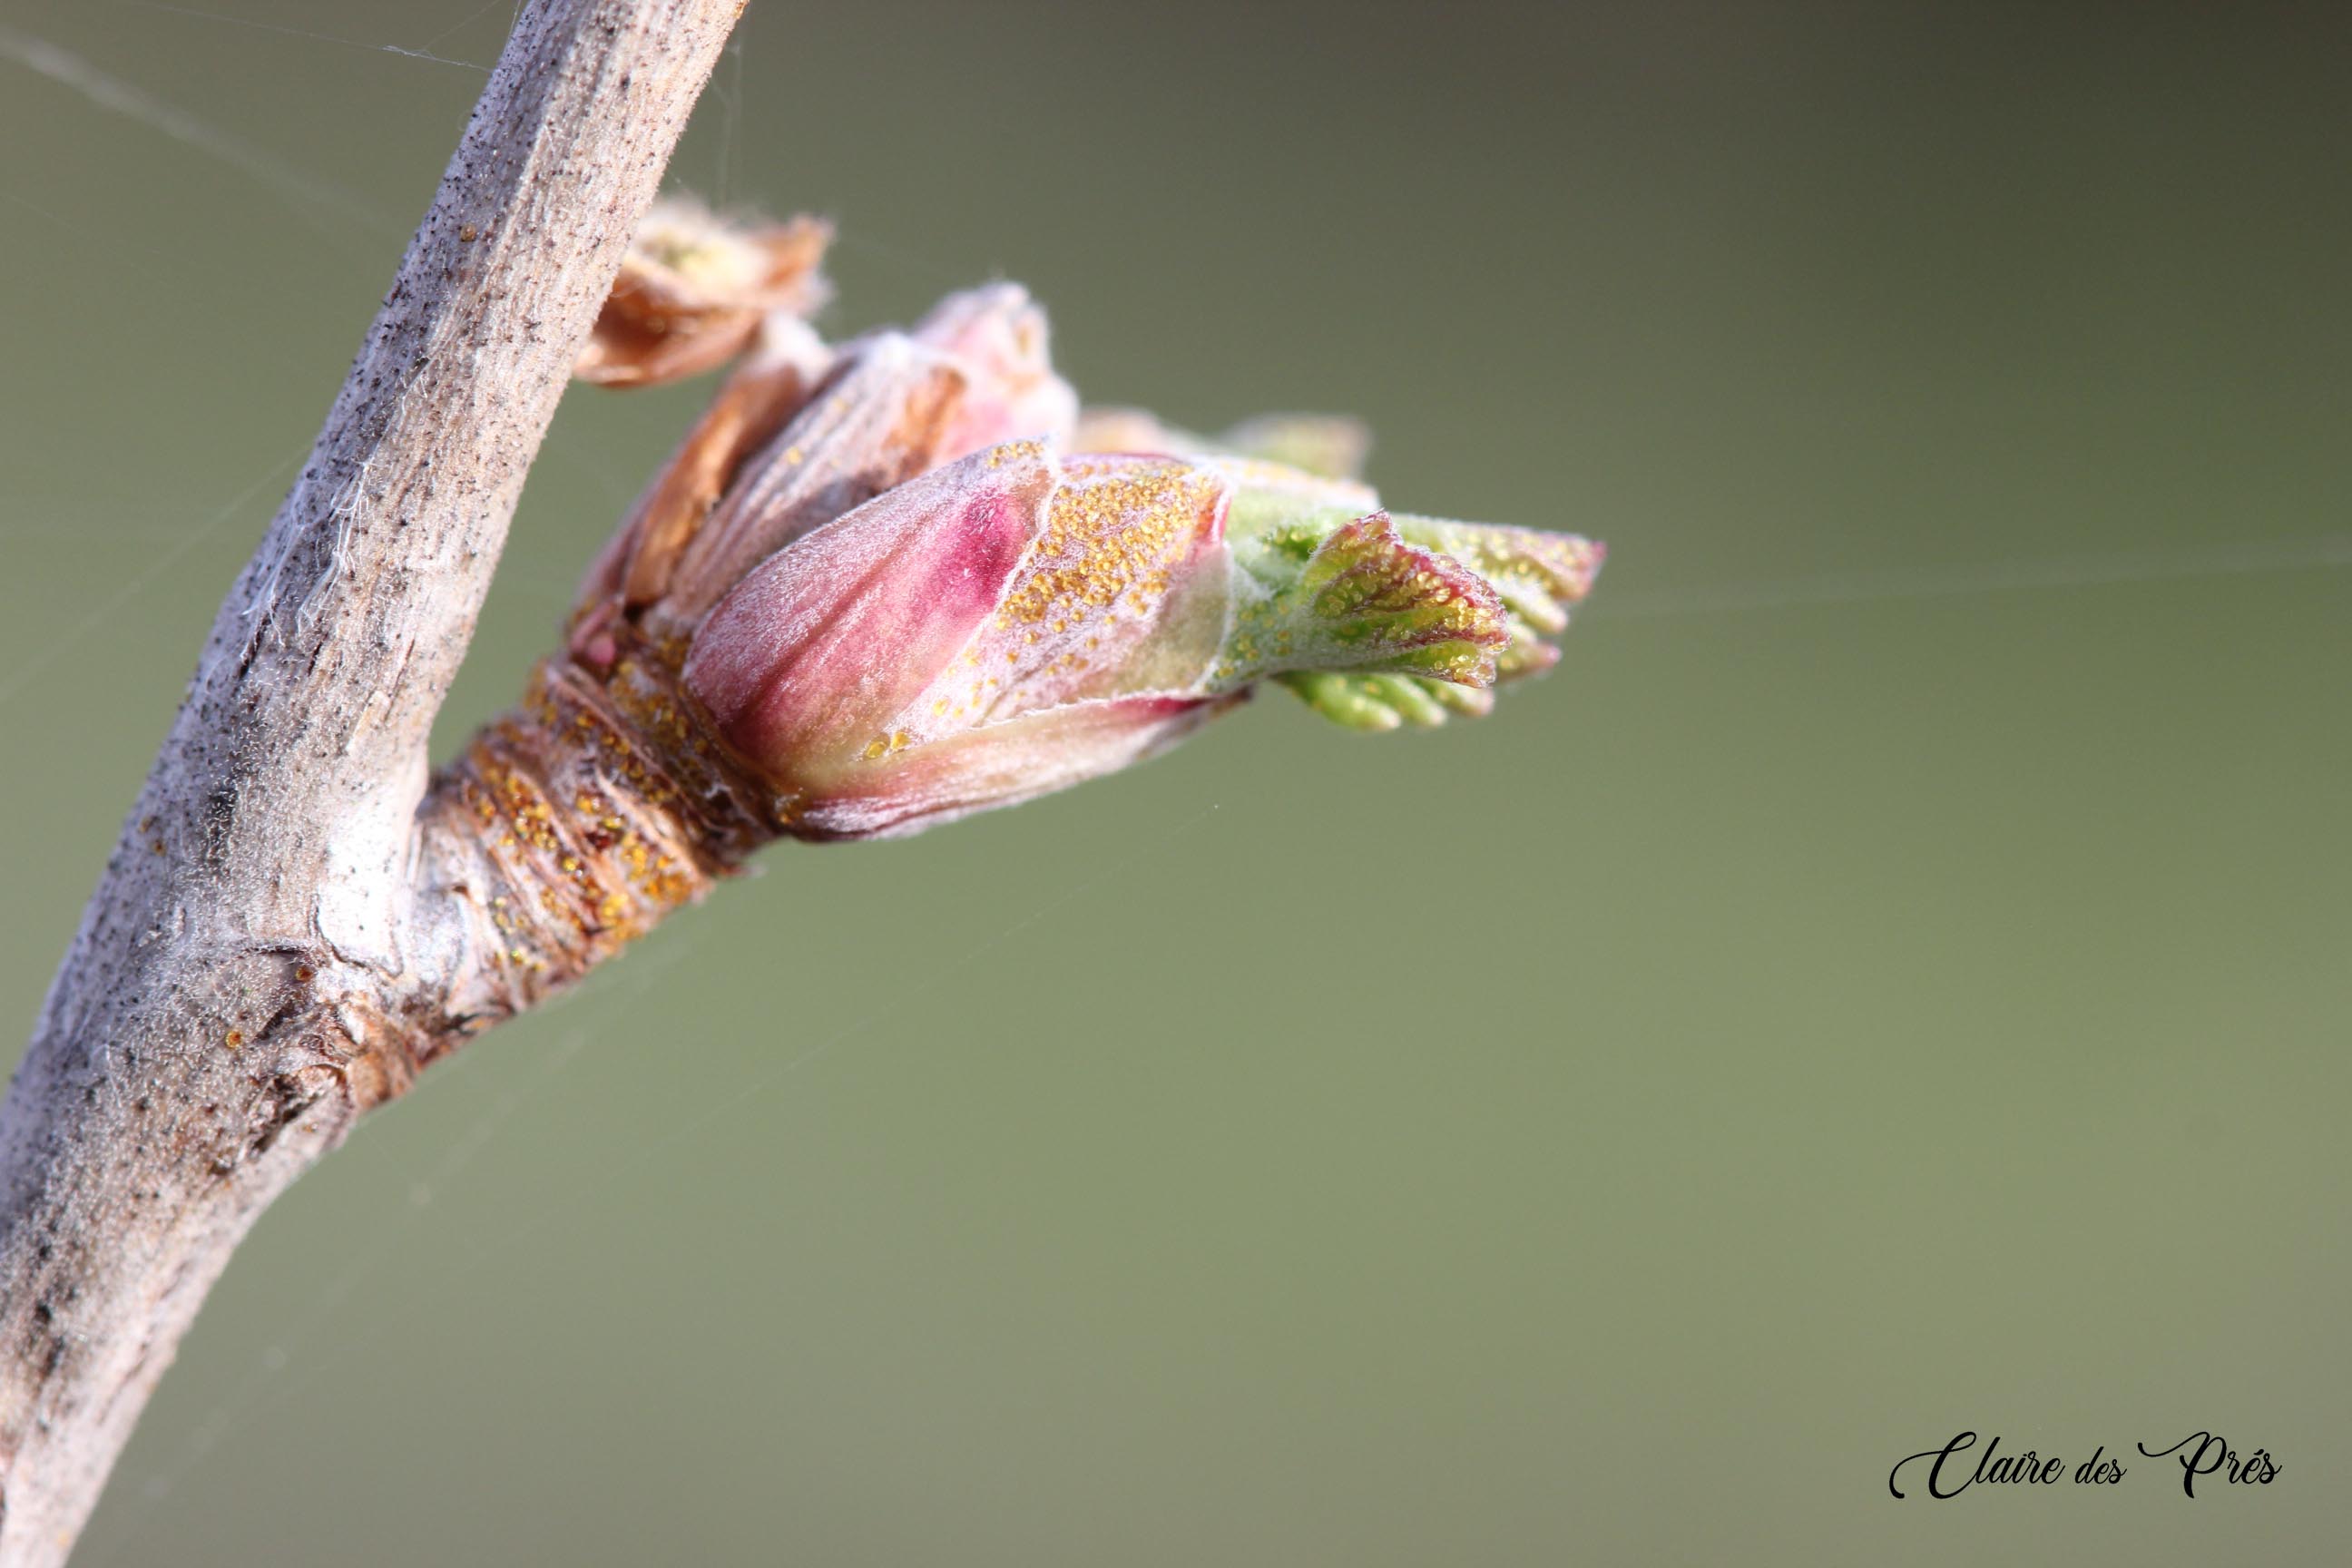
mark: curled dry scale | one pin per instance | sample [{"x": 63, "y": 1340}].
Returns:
[{"x": 882, "y": 583}]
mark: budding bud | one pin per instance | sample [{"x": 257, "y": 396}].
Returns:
[
  {"x": 1018, "y": 621},
  {"x": 907, "y": 578},
  {"x": 886, "y": 583}
]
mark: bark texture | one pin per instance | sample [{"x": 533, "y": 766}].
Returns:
[{"x": 274, "y": 945}]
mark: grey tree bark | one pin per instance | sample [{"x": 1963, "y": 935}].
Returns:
[{"x": 265, "y": 957}]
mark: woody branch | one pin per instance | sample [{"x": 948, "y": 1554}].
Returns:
[{"x": 239, "y": 991}]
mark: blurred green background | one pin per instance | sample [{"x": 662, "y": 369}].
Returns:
[{"x": 1892, "y": 980}]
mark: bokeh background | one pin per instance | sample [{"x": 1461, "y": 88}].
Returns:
[{"x": 1892, "y": 980}]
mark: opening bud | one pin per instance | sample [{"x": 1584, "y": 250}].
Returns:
[{"x": 1018, "y": 621}]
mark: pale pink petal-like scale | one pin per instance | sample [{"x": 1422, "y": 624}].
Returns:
[{"x": 805, "y": 660}]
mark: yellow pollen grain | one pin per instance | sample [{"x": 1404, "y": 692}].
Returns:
[{"x": 1111, "y": 532}]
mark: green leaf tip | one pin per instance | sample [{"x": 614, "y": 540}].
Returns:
[{"x": 1381, "y": 621}]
